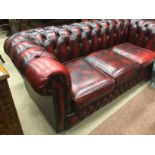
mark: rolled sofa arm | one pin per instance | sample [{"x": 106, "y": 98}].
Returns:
[
  {"x": 42, "y": 71},
  {"x": 142, "y": 33}
]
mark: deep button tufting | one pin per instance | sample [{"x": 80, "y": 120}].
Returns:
[
  {"x": 144, "y": 40},
  {"x": 146, "y": 25},
  {"x": 108, "y": 23},
  {"x": 43, "y": 37},
  {"x": 81, "y": 33},
  {"x": 28, "y": 55},
  {"x": 37, "y": 56},
  {"x": 107, "y": 33}
]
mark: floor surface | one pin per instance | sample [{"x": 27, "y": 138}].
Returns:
[{"x": 137, "y": 117}]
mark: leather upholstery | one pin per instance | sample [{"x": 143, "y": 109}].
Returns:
[
  {"x": 75, "y": 40},
  {"x": 81, "y": 114},
  {"x": 45, "y": 58},
  {"x": 117, "y": 66},
  {"x": 142, "y": 33},
  {"x": 88, "y": 84},
  {"x": 138, "y": 54}
]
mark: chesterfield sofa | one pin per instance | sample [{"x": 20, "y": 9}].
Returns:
[{"x": 73, "y": 70}]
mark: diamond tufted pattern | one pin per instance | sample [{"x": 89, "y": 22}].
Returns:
[
  {"x": 88, "y": 84},
  {"x": 117, "y": 66},
  {"x": 142, "y": 33},
  {"x": 75, "y": 40}
]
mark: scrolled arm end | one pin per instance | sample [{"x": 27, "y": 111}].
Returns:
[{"x": 41, "y": 71}]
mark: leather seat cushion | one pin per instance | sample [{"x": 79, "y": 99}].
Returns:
[
  {"x": 140, "y": 55},
  {"x": 117, "y": 66},
  {"x": 88, "y": 84}
]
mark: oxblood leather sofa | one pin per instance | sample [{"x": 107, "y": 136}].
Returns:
[{"x": 73, "y": 70}]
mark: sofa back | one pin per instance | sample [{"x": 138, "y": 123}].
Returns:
[
  {"x": 71, "y": 41},
  {"x": 142, "y": 33}
]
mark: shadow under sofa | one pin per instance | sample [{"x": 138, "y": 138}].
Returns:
[{"x": 73, "y": 70}]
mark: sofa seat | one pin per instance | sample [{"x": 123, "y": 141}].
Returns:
[
  {"x": 88, "y": 84},
  {"x": 140, "y": 55},
  {"x": 115, "y": 65}
]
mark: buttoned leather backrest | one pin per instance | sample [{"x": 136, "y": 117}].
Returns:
[
  {"x": 142, "y": 33},
  {"x": 71, "y": 41}
]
